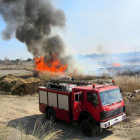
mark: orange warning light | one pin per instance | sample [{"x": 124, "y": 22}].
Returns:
[{"x": 93, "y": 85}]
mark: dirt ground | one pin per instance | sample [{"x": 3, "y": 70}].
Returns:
[
  {"x": 14, "y": 72},
  {"x": 17, "y": 70},
  {"x": 14, "y": 109}
]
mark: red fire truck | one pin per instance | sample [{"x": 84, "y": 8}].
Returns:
[{"x": 94, "y": 107}]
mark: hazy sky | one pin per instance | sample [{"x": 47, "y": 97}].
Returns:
[{"x": 93, "y": 26}]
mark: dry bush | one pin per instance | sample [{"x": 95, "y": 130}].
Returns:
[
  {"x": 80, "y": 76},
  {"x": 132, "y": 109},
  {"x": 25, "y": 76},
  {"x": 46, "y": 76},
  {"x": 128, "y": 83},
  {"x": 105, "y": 75},
  {"x": 19, "y": 86},
  {"x": 19, "y": 131},
  {"x": 135, "y": 99}
]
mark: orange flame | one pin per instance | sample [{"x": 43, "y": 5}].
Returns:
[
  {"x": 116, "y": 64},
  {"x": 56, "y": 66}
]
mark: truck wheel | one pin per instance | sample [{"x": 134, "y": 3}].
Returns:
[
  {"x": 50, "y": 114},
  {"x": 88, "y": 128}
]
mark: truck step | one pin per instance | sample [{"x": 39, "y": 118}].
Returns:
[{"x": 74, "y": 123}]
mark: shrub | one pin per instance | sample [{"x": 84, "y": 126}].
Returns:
[
  {"x": 128, "y": 83},
  {"x": 19, "y": 130}
]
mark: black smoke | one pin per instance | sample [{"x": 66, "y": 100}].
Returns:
[{"x": 31, "y": 22}]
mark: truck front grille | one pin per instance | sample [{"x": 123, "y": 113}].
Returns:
[{"x": 114, "y": 112}]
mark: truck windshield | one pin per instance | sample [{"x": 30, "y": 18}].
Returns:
[{"x": 110, "y": 96}]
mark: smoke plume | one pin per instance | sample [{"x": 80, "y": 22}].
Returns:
[{"x": 31, "y": 22}]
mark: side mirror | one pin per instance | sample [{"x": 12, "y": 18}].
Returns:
[
  {"x": 93, "y": 102},
  {"x": 121, "y": 90}
]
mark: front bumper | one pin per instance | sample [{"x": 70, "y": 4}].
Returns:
[{"x": 112, "y": 121}]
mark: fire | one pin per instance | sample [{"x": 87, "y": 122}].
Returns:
[
  {"x": 116, "y": 64},
  {"x": 56, "y": 66}
]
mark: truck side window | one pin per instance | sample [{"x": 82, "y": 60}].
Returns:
[
  {"x": 90, "y": 97},
  {"x": 78, "y": 97}
]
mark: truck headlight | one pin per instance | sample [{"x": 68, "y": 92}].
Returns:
[
  {"x": 123, "y": 117},
  {"x": 102, "y": 115},
  {"x": 107, "y": 124}
]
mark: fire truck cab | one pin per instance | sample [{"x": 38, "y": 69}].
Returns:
[{"x": 94, "y": 107}]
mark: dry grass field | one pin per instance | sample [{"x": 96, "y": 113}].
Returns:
[{"x": 20, "y": 117}]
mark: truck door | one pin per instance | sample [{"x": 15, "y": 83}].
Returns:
[
  {"x": 77, "y": 105},
  {"x": 93, "y": 109}
]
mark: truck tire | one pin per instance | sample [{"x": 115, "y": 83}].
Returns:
[
  {"x": 88, "y": 128},
  {"x": 51, "y": 114}
]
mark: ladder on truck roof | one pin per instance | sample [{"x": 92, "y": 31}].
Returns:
[
  {"x": 64, "y": 85},
  {"x": 78, "y": 83}
]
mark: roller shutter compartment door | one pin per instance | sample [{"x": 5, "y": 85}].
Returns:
[
  {"x": 63, "y": 102},
  {"x": 43, "y": 97},
  {"x": 52, "y": 99}
]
